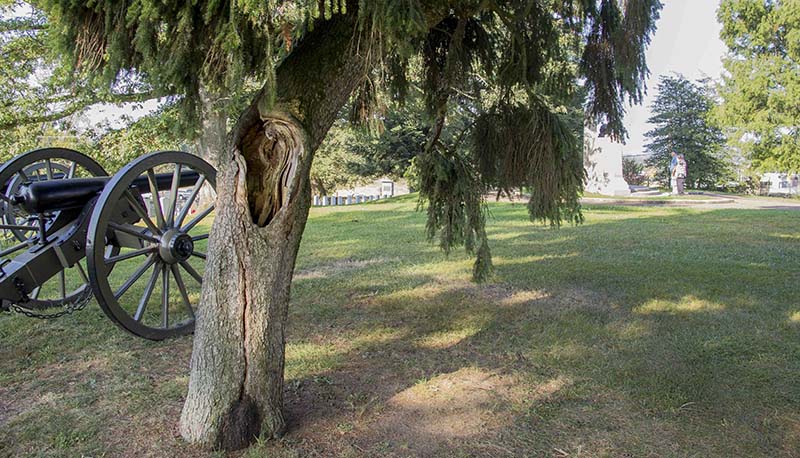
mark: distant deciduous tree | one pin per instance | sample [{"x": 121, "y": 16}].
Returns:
[
  {"x": 157, "y": 131},
  {"x": 336, "y": 160},
  {"x": 681, "y": 112},
  {"x": 761, "y": 86}
]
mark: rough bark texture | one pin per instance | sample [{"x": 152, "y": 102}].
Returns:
[
  {"x": 236, "y": 384},
  {"x": 214, "y": 129}
]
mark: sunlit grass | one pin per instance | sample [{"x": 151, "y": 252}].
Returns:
[{"x": 643, "y": 332}]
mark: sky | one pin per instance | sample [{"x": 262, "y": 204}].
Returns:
[{"x": 686, "y": 42}]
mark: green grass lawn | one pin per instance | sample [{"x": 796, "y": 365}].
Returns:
[{"x": 644, "y": 332}]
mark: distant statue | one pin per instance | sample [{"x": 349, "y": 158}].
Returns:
[{"x": 678, "y": 175}]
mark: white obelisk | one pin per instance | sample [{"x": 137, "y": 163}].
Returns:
[{"x": 602, "y": 159}]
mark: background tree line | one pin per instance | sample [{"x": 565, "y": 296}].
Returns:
[{"x": 748, "y": 120}]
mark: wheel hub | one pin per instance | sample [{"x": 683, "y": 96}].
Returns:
[{"x": 175, "y": 246}]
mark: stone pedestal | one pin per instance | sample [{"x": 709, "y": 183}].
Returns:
[{"x": 602, "y": 159}]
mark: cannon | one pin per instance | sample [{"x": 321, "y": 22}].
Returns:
[{"x": 133, "y": 241}]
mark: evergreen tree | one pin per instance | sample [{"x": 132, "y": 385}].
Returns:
[
  {"x": 761, "y": 87},
  {"x": 510, "y": 68},
  {"x": 681, "y": 113}
]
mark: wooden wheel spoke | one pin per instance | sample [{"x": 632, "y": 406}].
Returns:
[
  {"x": 173, "y": 195},
  {"x": 141, "y": 212},
  {"x": 176, "y": 272},
  {"x": 131, "y": 230},
  {"x": 132, "y": 254},
  {"x": 199, "y": 237},
  {"x": 191, "y": 224},
  {"x": 148, "y": 291},
  {"x": 199, "y": 254},
  {"x": 72, "y": 167},
  {"x": 82, "y": 272},
  {"x": 151, "y": 180},
  {"x": 136, "y": 275},
  {"x": 48, "y": 169},
  {"x": 164, "y": 298},
  {"x": 190, "y": 270},
  {"x": 190, "y": 201}
]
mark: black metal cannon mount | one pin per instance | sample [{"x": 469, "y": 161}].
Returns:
[{"x": 75, "y": 233}]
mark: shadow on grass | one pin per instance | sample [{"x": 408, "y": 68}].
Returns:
[
  {"x": 653, "y": 334},
  {"x": 643, "y": 332}
]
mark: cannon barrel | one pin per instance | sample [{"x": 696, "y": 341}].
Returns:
[{"x": 65, "y": 194}]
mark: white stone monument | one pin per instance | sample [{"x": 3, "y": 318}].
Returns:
[{"x": 602, "y": 159}]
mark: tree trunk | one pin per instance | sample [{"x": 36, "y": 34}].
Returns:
[
  {"x": 236, "y": 383},
  {"x": 236, "y": 387},
  {"x": 213, "y": 129}
]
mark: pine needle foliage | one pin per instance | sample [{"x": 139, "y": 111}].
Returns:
[
  {"x": 181, "y": 47},
  {"x": 613, "y": 60},
  {"x": 531, "y": 146},
  {"x": 507, "y": 84},
  {"x": 512, "y": 69},
  {"x": 455, "y": 208}
]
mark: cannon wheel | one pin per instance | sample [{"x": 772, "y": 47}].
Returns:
[
  {"x": 70, "y": 286},
  {"x": 169, "y": 237},
  {"x": 40, "y": 165}
]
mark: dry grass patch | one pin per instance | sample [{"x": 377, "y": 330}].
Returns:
[{"x": 446, "y": 411}]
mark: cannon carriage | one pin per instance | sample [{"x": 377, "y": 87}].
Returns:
[{"x": 134, "y": 241}]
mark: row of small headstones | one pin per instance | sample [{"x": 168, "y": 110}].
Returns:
[{"x": 325, "y": 201}]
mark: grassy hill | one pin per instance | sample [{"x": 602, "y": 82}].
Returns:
[{"x": 645, "y": 331}]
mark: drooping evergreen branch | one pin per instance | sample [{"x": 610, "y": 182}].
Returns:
[
  {"x": 532, "y": 146},
  {"x": 450, "y": 188},
  {"x": 613, "y": 61}
]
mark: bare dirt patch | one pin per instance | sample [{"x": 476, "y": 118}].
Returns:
[
  {"x": 339, "y": 266},
  {"x": 444, "y": 412}
]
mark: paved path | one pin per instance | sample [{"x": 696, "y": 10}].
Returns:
[
  {"x": 705, "y": 200},
  {"x": 763, "y": 203}
]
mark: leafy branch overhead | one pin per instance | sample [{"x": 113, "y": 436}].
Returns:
[
  {"x": 37, "y": 86},
  {"x": 761, "y": 88},
  {"x": 507, "y": 85}
]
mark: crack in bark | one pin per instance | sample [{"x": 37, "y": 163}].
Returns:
[{"x": 243, "y": 421}]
